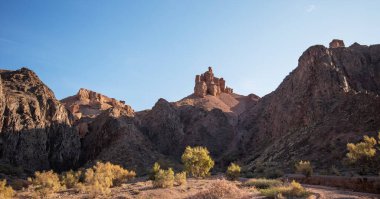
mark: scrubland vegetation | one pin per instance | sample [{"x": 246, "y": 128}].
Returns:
[{"x": 99, "y": 179}]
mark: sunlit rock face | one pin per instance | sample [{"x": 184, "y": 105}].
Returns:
[{"x": 207, "y": 84}]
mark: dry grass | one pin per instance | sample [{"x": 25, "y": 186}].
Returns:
[
  {"x": 221, "y": 189},
  {"x": 6, "y": 191}
]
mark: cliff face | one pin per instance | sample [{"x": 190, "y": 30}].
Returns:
[
  {"x": 331, "y": 98},
  {"x": 35, "y": 128}
]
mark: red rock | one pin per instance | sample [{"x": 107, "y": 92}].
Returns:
[{"x": 207, "y": 84}]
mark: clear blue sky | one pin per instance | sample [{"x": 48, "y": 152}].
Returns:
[{"x": 139, "y": 51}]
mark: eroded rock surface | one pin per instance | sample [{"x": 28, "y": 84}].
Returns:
[
  {"x": 207, "y": 84},
  {"x": 331, "y": 98},
  {"x": 35, "y": 128}
]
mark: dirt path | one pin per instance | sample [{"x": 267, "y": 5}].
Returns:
[{"x": 334, "y": 193}]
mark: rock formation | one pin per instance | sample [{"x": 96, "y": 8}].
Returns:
[
  {"x": 87, "y": 105},
  {"x": 35, "y": 128},
  {"x": 336, "y": 43},
  {"x": 207, "y": 84}
]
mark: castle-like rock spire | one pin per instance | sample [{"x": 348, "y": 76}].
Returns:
[{"x": 207, "y": 84}]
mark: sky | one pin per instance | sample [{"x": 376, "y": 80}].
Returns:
[{"x": 140, "y": 51}]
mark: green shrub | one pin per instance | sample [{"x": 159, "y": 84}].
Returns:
[
  {"x": 154, "y": 170},
  {"x": 273, "y": 173},
  {"x": 6, "y": 191},
  {"x": 233, "y": 171},
  {"x": 304, "y": 167},
  {"x": 197, "y": 161},
  {"x": 164, "y": 179},
  {"x": 262, "y": 183},
  {"x": 180, "y": 178},
  {"x": 45, "y": 183}
]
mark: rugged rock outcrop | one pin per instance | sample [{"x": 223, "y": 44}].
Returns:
[
  {"x": 331, "y": 98},
  {"x": 336, "y": 43},
  {"x": 35, "y": 128},
  {"x": 207, "y": 84},
  {"x": 171, "y": 128},
  {"x": 114, "y": 136},
  {"x": 87, "y": 104}
]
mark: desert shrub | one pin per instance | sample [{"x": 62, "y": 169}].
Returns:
[
  {"x": 304, "y": 167},
  {"x": 102, "y": 176},
  {"x": 197, "y": 161},
  {"x": 180, "y": 178},
  {"x": 45, "y": 183},
  {"x": 294, "y": 189},
  {"x": 221, "y": 189},
  {"x": 262, "y": 183},
  {"x": 362, "y": 150},
  {"x": 233, "y": 171},
  {"x": 164, "y": 178},
  {"x": 70, "y": 179},
  {"x": 6, "y": 191},
  {"x": 154, "y": 170}
]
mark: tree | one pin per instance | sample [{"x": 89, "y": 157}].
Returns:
[
  {"x": 164, "y": 178},
  {"x": 363, "y": 154},
  {"x": 197, "y": 161}
]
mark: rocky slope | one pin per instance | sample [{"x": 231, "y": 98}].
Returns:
[
  {"x": 35, "y": 128},
  {"x": 331, "y": 98}
]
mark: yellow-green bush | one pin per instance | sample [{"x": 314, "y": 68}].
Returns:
[
  {"x": 362, "y": 150},
  {"x": 197, "y": 161},
  {"x": 154, "y": 170},
  {"x": 102, "y": 176},
  {"x": 180, "y": 178},
  {"x": 70, "y": 179},
  {"x": 6, "y": 191},
  {"x": 164, "y": 178},
  {"x": 45, "y": 183},
  {"x": 233, "y": 171},
  {"x": 294, "y": 189},
  {"x": 304, "y": 167}
]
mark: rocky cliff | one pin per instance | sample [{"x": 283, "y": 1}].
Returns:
[
  {"x": 35, "y": 128},
  {"x": 331, "y": 98}
]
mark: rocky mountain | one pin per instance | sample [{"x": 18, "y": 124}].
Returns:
[
  {"x": 35, "y": 128},
  {"x": 330, "y": 99}
]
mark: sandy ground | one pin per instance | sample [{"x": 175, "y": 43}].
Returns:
[
  {"x": 141, "y": 189},
  {"x": 323, "y": 192}
]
